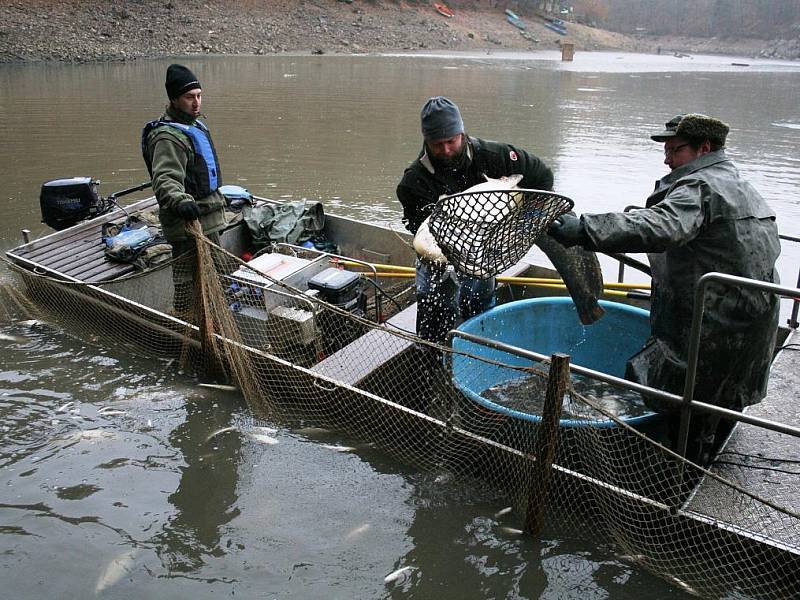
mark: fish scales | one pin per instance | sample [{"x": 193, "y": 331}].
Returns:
[{"x": 579, "y": 268}]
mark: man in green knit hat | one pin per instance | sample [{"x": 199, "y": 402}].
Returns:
[
  {"x": 185, "y": 172},
  {"x": 702, "y": 217}
]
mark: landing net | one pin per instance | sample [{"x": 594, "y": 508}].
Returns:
[
  {"x": 302, "y": 361},
  {"x": 484, "y": 233}
]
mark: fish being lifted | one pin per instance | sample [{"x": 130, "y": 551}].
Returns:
[
  {"x": 460, "y": 209},
  {"x": 467, "y": 219}
]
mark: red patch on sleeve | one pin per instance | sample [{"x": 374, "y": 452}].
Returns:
[{"x": 512, "y": 155}]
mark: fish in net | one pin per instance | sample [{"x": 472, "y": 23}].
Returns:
[{"x": 489, "y": 228}]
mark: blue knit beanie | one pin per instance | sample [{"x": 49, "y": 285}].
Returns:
[{"x": 440, "y": 119}]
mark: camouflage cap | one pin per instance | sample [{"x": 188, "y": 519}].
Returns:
[
  {"x": 669, "y": 129},
  {"x": 698, "y": 128}
]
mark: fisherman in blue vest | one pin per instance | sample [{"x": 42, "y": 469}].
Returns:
[{"x": 185, "y": 172}]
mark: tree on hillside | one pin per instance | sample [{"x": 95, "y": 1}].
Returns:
[{"x": 705, "y": 18}]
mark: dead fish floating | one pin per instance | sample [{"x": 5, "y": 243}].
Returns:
[
  {"x": 502, "y": 512},
  {"x": 118, "y": 568},
  {"x": 219, "y": 432},
  {"x": 219, "y": 386},
  {"x": 357, "y": 532},
  {"x": 263, "y": 438},
  {"x": 399, "y": 573},
  {"x": 339, "y": 448}
]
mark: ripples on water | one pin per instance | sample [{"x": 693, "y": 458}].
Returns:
[
  {"x": 140, "y": 499},
  {"x": 120, "y": 477}
]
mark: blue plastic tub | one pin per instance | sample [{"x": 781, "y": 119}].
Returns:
[{"x": 547, "y": 326}]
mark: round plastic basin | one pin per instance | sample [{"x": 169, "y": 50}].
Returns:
[{"x": 547, "y": 326}]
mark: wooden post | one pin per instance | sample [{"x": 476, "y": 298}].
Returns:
[
  {"x": 567, "y": 51},
  {"x": 546, "y": 443}
]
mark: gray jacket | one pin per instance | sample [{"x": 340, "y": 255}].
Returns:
[{"x": 702, "y": 217}]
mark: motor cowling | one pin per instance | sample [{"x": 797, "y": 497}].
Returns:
[{"x": 65, "y": 202}]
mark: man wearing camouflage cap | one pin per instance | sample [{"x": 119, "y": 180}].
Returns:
[{"x": 702, "y": 217}]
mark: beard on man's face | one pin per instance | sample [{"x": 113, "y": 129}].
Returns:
[{"x": 452, "y": 162}]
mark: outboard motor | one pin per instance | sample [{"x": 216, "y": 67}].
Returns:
[{"x": 65, "y": 202}]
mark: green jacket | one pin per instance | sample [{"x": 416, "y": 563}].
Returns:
[
  {"x": 701, "y": 218},
  {"x": 421, "y": 185},
  {"x": 171, "y": 154}
]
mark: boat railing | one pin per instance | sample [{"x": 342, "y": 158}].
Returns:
[
  {"x": 694, "y": 346},
  {"x": 796, "y": 302}
]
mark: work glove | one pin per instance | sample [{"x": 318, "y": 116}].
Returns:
[
  {"x": 568, "y": 230},
  {"x": 188, "y": 210}
]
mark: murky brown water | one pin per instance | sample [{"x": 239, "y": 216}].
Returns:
[{"x": 142, "y": 504}]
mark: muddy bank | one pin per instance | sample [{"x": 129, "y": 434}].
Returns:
[{"x": 94, "y": 30}]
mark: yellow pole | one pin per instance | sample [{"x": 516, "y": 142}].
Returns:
[
  {"x": 547, "y": 283},
  {"x": 608, "y": 284},
  {"x": 394, "y": 271}
]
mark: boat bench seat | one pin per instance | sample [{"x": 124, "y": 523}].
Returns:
[{"x": 359, "y": 359}]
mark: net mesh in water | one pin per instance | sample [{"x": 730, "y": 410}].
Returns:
[
  {"x": 484, "y": 233},
  {"x": 302, "y": 362}
]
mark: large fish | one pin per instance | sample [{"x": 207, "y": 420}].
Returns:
[
  {"x": 464, "y": 209},
  {"x": 579, "y": 268},
  {"x": 581, "y": 273}
]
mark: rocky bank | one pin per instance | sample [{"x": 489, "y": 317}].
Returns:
[{"x": 95, "y": 30}]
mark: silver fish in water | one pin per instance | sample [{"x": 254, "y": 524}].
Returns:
[{"x": 395, "y": 575}]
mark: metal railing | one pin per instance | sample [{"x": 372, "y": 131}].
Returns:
[
  {"x": 693, "y": 353},
  {"x": 796, "y": 304},
  {"x": 685, "y": 403},
  {"x": 672, "y": 399}
]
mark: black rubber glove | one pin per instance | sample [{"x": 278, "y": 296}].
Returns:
[
  {"x": 188, "y": 210},
  {"x": 568, "y": 230}
]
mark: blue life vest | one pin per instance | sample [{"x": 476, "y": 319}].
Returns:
[{"x": 204, "y": 176}]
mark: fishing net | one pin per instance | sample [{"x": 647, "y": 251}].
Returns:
[
  {"x": 484, "y": 233},
  {"x": 347, "y": 360}
]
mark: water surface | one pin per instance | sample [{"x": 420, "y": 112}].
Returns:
[{"x": 144, "y": 501}]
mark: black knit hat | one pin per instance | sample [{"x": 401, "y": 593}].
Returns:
[
  {"x": 440, "y": 119},
  {"x": 179, "y": 81}
]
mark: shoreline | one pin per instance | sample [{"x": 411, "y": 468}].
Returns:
[{"x": 97, "y": 31}]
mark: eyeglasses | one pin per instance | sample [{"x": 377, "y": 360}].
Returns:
[{"x": 674, "y": 150}]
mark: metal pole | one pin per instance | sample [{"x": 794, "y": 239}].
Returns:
[
  {"x": 792, "y": 322},
  {"x": 694, "y": 338},
  {"x": 546, "y": 443}
]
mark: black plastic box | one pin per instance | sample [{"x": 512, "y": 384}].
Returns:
[{"x": 336, "y": 286}]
